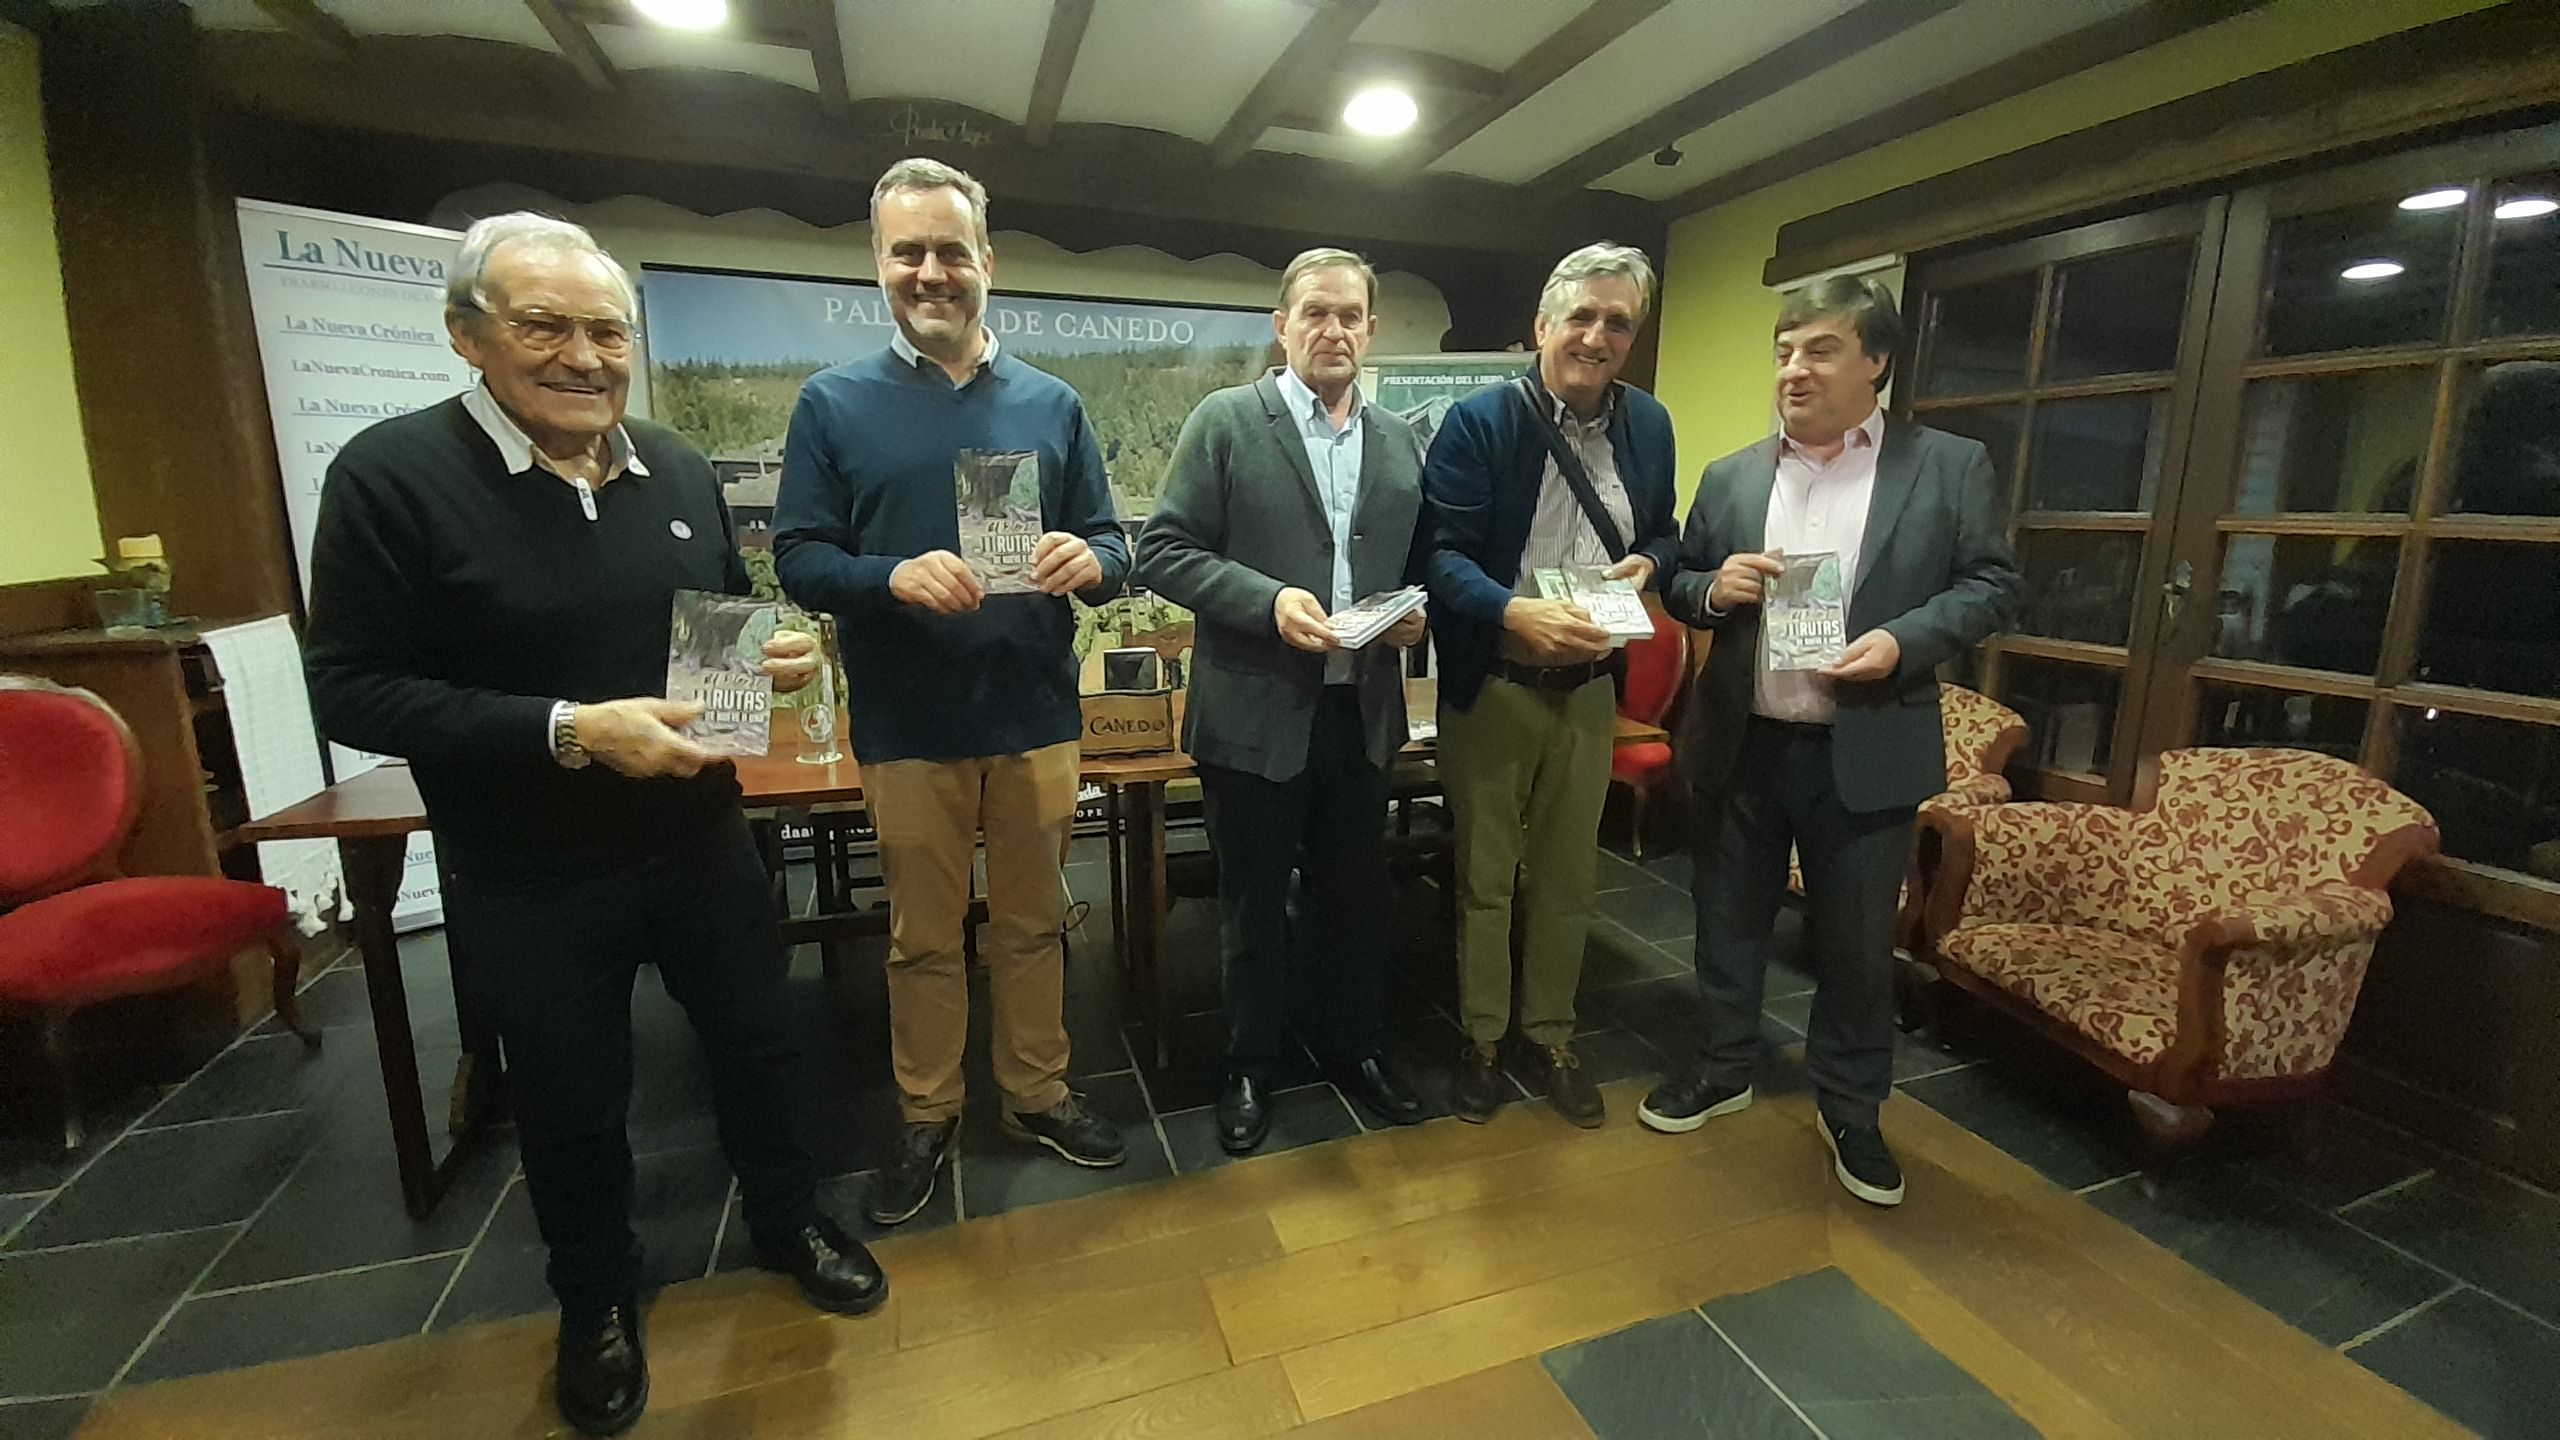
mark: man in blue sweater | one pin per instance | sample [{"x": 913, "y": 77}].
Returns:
[
  {"x": 961, "y": 702},
  {"x": 1564, "y": 466}
]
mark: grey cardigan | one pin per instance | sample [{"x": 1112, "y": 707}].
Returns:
[{"x": 1240, "y": 519}]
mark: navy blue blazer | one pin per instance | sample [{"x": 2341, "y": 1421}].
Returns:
[{"x": 1479, "y": 491}]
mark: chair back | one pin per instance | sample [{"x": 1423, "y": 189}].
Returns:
[
  {"x": 2219, "y": 827},
  {"x": 1982, "y": 733},
  {"x": 70, "y": 787},
  {"x": 1655, "y": 670}
]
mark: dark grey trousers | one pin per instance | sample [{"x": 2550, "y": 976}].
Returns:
[{"x": 1781, "y": 796}]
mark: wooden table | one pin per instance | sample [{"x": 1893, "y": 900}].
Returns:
[{"x": 372, "y": 816}]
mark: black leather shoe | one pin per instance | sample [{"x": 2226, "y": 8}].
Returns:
[
  {"x": 1477, "y": 1087},
  {"x": 1568, "y": 1086},
  {"x": 1072, "y": 1129},
  {"x": 1377, "y": 1090},
  {"x": 904, "y": 1182},
  {"x": 1687, "y": 1101},
  {"x": 602, "y": 1384},
  {"x": 832, "y": 1268},
  {"x": 1244, "y": 1114}
]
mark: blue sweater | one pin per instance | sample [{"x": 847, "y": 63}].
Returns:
[
  {"x": 867, "y": 482},
  {"x": 1480, "y": 489}
]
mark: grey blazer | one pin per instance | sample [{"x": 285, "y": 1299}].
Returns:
[
  {"x": 1238, "y": 520},
  {"x": 1938, "y": 576}
]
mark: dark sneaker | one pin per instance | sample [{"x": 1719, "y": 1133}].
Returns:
[
  {"x": 1477, "y": 1087},
  {"x": 1866, "y": 1169},
  {"x": 834, "y": 1270},
  {"x": 1685, "y": 1102},
  {"x": 901, "y": 1187},
  {"x": 1568, "y": 1087},
  {"x": 601, "y": 1383},
  {"x": 1073, "y": 1130}
]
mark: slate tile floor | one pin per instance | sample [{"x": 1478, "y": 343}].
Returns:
[{"x": 249, "y": 1213}]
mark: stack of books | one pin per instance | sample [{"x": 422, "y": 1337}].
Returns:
[
  {"x": 1366, "y": 620},
  {"x": 1614, "y": 605}
]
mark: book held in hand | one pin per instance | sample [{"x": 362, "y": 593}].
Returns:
[
  {"x": 1804, "y": 616},
  {"x": 1355, "y": 625},
  {"x": 999, "y": 498},
  {"x": 1614, "y": 605},
  {"x": 715, "y": 659}
]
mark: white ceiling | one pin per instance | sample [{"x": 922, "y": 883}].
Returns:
[{"x": 1184, "y": 66}]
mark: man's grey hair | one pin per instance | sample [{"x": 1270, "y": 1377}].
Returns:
[
  {"x": 920, "y": 173},
  {"x": 466, "y": 289},
  {"x": 1596, "y": 262},
  {"x": 1325, "y": 257}
]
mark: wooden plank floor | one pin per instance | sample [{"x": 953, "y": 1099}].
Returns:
[{"x": 1399, "y": 1284}]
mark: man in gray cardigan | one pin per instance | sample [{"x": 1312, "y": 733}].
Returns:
[{"x": 1287, "y": 500}]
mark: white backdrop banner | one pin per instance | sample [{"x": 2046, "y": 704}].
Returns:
[{"x": 350, "y": 316}]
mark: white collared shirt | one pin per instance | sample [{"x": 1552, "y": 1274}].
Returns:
[
  {"x": 517, "y": 449},
  {"x": 1335, "y": 456},
  {"x": 905, "y": 349},
  {"x": 1816, "y": 506}
]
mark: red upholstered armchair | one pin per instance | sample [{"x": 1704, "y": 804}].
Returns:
[
  {"x": 71, "y": 932},
  {"x": 2204, "y": 947},
  {"x": 1656, "y": 669}
]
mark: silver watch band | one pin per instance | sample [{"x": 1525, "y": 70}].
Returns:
[{"x": 563, "y": 727}]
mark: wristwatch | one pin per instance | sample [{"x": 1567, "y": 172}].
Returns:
[{"x": 564, "y": 736}]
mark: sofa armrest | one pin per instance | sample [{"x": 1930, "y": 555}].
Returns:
[
  {"x": 1975, "y": 790},
  {"x": 2039, "y": 862},
  {"x": 2324, "y": 915}
]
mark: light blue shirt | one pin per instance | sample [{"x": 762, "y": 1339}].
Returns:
[{"x": 1335, "y": 457}]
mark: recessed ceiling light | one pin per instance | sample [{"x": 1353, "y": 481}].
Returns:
[
  {"x": 2526, "y": 207},
  {"x": 2372, "y": 270},
  {"x": 684, "y": 14},
  {"x": 1381, "y": 110},
  {"x": 2444, "y": 199}
]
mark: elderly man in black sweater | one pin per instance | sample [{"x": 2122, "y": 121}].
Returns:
[{"x": 491, "y": 585}]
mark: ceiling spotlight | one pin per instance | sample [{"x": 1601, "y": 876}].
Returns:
[
  {"x": 2372, "y": 270},
  {"x": 2526, "y": 207},
  {"x": 684, "y": 14},
  {"x": 1667, "y": 156},
  {"x": 2444, "y": 199},
  {"x": 1381, "y": 110}
]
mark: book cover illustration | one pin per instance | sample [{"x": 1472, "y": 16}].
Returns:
[
  {"x": 999, "y": 496},
  {"x": 715, "y": 655},
  {"x": 1355, "y": 625},
  {"x": 1804, "y": 622},
  {"x": 1614, "y": 605}
]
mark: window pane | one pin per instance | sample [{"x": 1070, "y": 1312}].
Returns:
[
  {"x": 2493, "y": 786},
  {"x": 2509, "y": 460},
  {"x": 1996, "y": 426},
  {"x": 2119, "y": 314},
  {"x": 2493, "y": 617},
  {"x": 2312, "y": 304},
  {"x": 2080, "y": 583},
  {"x": 2318, "y": 601},
  {"x": 2524, "y": 255},
  {"x": 1978, "y": 337},
  {"x": 2335, "y": 442},
  {"x": 2101, "y": 454},
  {"x": 2070, "y": 711},
  {"x": 2248, "y": 715}
]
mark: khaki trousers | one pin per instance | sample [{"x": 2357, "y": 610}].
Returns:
[
  {"x": 1526, "y": 772},
  {"x": 929, "y": 814}
]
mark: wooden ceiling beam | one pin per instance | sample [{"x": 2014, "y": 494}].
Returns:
[
  {"x": 305, "y": 21},
  {"x": 2065, "y": 55},
  {"x": 1809, "y": 54},
  {"x": 1067, "y": 22},
  {"x": 577, "y": 44},
  {"x": 1319, "y": 44},
  {"x": 825, "y": 43},
  {"x": 1548, "y": 61},
  {"x": 1421, "y": 69}
]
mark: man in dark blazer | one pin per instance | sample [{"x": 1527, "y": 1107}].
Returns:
[
  {"x": 1527, "y": 704},
  {"x": 1287, "y": 500},
  {"x": 1832, "y": 762}
]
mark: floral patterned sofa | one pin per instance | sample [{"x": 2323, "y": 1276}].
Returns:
[{"x": 2203, "y": 947}]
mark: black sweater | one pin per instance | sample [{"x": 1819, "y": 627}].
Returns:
[{"x": 452, "y": 603}]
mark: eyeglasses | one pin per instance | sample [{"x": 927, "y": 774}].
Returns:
[{"x": 544, "y": 331}]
